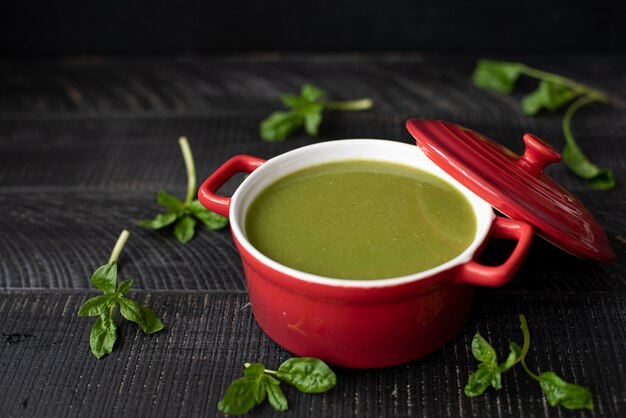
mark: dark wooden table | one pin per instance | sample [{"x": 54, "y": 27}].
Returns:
[{"x": 85, "y": 144}]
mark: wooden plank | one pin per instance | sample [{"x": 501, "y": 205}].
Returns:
[{"x": 183, "y": 371}]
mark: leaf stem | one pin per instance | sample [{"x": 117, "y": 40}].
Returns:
[
  {"x": 350, "y": 105},
  {"x": 264, "y": 371},
  {"x": 567, "y": 82},
  {"x": 191, "y": 169},
  {"x": 569, "y": 113},
  {"x": 117, "y": 249},
  {"x": 526, "y": 346}
]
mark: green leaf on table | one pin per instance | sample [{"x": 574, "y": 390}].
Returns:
[
  {"x": 185, "y": 229},
  {"x": 124, "y": 287},
  {"x": 567, "y": 395},
  {"x": 103, "y": 335},
  {"x": 153, "y": 323},
  {"x": 183, "y": 214},
  {"x": 209, "y": 218},
  {"x": 275, "y": 395},
  {"x": 254, "y": 369},
  {"x": 279, "y": 125},
  {"x": 96, "y": 306},
  {"x": 489, "y": 372},
  {"x": 173, "y": 203},
  {"x": 549, "y": 96},
  {"x": 305, "y": 111},
  {"x": 160, "y": 221},
  {"x": 105, "y": 278},
  {"x": 240, "y": 396},
  {"x": 132, "y": 311},
  {"x": 513, "y": 358},
  {"x": 307, "y": 374},
  {"x": 554, "y": 91},
  {"x": 497, "y": 75}
]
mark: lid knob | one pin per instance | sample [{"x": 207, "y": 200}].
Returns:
[{"x": 537, "y": 155}]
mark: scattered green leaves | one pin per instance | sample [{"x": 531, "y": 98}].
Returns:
[
  {"x": 554, "y": 92},
  {"x": 184, "y": 214},
  {"x": 557, "y": 391},
  {"x": 306, "y": 111},
  {"x": 104, "y": 331},
  {"x": 307, "y": 374}
]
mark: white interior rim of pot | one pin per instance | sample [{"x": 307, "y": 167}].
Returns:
[{"x": 342, "y": 150}]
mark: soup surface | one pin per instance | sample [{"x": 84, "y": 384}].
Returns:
[{"x": 361, "y": 220}]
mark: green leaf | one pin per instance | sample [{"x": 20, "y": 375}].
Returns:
[
  {"x": 184, "y": 230},
  {"x": 497, "y": 75},
  {"x": 260, "y": 391},
  {"x": 311, "y": 93},
  {"x": 161, "y": 220},
  {"x": 313, "y": 119},
  {"x": 103, "y": 334},
  {"x": 124, "y": 287},
  {"x": 513, "y": 357},
  {"x": 279, "y": 125},
  {"x": 105, "y": 278},
  {"x": 275, "y": 395},
  {"x": 479, "y": 381},
  {"x": 482, "y": 350},
  {"x": 153, "y": 323},
  {"x": 210, "y": 219},
  {"x": 132, "y": 311},
  {"x": 96, "y": 306},
  {"x": 254, "y": 369},
  {"x": 577, "y": 161},
  {"x": 568, "y": 395},
  {"x": 549, "y": 95},
  {"x": 239, "y": 397},
  {"x": 173, "y": 203},
  {"x": 307, "y": 374}
]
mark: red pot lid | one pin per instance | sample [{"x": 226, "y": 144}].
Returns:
[{"x": 515, "y": 185}]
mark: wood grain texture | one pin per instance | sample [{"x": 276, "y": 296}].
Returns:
[
  {"x": 184, "y": 370},
  {"x": 85, "y": 144}
]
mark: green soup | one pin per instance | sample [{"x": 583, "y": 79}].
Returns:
[{"x": 360, "y": 220}]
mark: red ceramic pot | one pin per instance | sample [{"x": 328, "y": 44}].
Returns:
[{"x": 360, "y": 323}]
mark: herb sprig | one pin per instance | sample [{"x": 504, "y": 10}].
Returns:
[
  {"x": 306, "y": 110},
  {"x": 184, "y": 215},
  {"x": 554, "y": 92},
  {"x": 104, "y": 331},
  {"x": 557, "y": 391},
  {"x": 307, "y": 374}
]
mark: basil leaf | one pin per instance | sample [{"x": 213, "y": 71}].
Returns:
[
  {"x": 313, "y": 119},
  {"x": 568, "y": 395},
  {"x": 160, "y": 221},
  {"x": 275, "y": 395},
  {"x": 479, "y": 381},
  {"x": 209, "y": 218},
  {"x": 153, "y": 323},
  {"x": 124, "y": 287},
  {"x": 103, "y": 335},
  {"x": 173, "y": 203},
  {"x": 239, "y": 397},
  {"x": 132, "y": 311},
  {"x": 279, "y": 125},
  {"x": 184, "y": 230},
  {"x": 96, "y": 306},
  {"x": 254, "y": 369},
  {"x": 514, "y": 357},
  {"x": 307, "y": 374},
  {"x": 260, "y": 391},
  {"x": 482, "y": 350},
  {"x": 311, "y": 93},
  {"x": 105, "y": 278},
  {"x": 577, "y": 161},
  {"x": 497, "y": 75},
  {"x": 549, "y": 95}
]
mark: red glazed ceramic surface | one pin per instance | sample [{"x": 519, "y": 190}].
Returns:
[
  {"x": 515, "y": 185},
  {"x": 360, "y": 323}
]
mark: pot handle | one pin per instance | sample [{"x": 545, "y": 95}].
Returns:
[
  {"x": 493, "y": 276},
  {"x": 206, "y": 192}
]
